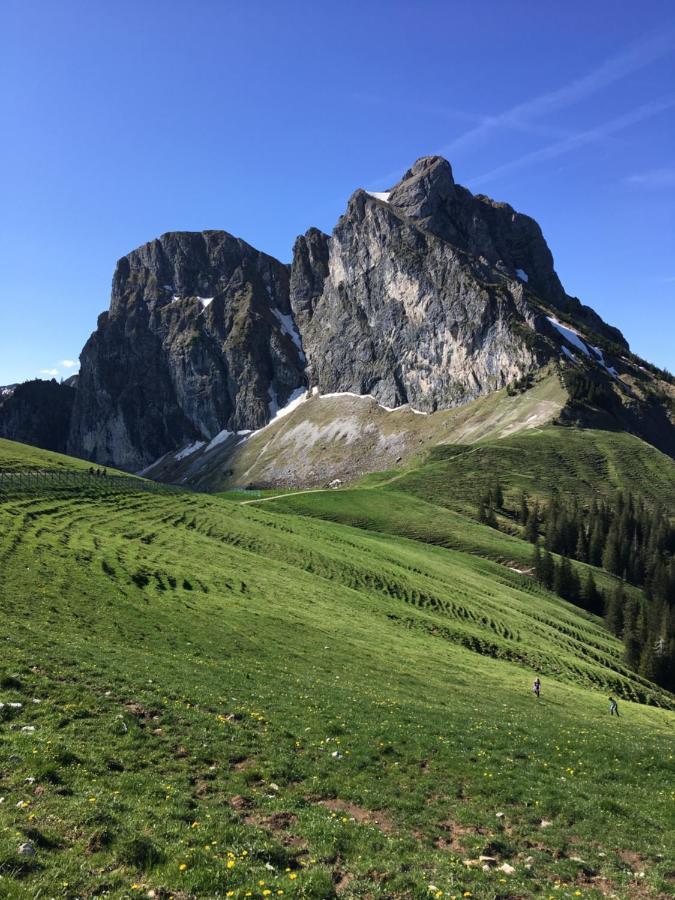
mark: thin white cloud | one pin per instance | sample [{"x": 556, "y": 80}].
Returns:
[
  {"x": 52, "y": 372},
  {"x": 520, "y": 117},
  {"x": 591, "y": 136},
  {"x": 655, "y": 178},
  {"x": 69, "y": 363},
  {"x": 635, "y": 57}
]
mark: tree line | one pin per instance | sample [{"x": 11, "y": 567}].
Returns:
[{"x": 626, "y": 537}]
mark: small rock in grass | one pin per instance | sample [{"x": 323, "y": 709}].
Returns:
[
  {"x": 500, "y": 815},
  {"x": 488, "y": 860},
  {"x": 336, "y": 754},
  {"x": 273, "y": 786},
  {"x": 35, "y": 700},
  {"x": 28, "y": 729},
  {"x": 507, "y": 869},
  {"x": 27, "y": 849},
  {"x": 29, "y": 780},
  {"x": 576, "y": 859},
  {"x": 545, "y": 823},
  {"x": 269, "y": 867},
  {"x": 15, "y": 705}
]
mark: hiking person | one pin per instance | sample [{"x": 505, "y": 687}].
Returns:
[
  {"x": 613, "y": 707},
  {"x": 536, "y": 687}
]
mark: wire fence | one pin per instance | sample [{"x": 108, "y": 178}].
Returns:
[{"x": 69, "y": 481}]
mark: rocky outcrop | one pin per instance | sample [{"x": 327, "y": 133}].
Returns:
[
  {"x": 199, "y": 338},
  {"x": 421, "y": 294},
  {"x": 424, "y": 295},
  {"x": 37, "y": 412}
]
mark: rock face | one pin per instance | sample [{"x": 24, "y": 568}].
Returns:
[
  {"x": 37, "y": 412},
  {"x": 423, "y": 294},
  {"x": 199, "y": 338}
]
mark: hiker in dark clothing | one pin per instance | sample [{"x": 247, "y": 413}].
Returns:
[
  {"x": 613, "y": 707},
  {"x": 536, "y": 687}
]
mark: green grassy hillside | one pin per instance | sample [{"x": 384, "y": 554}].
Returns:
[
  {"x": 397, "y": 513},
  {"x": 569, "y": 461},
  {"x": 231, "y": 700},
  {"x": 16, "y": 457}
]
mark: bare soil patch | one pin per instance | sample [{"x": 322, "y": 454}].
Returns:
[{"x": 363, "y": 816}]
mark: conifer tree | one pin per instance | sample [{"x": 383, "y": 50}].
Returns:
[
  {"x": 614, "y": 610},
  {"x": 524, "y": 512},
  {"x": 591, "y": 598},
  {"x": 547, "y": 569},
  {"x": 532, "y": 524}
]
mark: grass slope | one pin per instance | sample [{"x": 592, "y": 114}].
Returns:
[
  {"x": 238, "y": 702},
  {"x": 16, "y": 457},
  {"x": 568, "y": 461},
  {"x": 395, "y": 512}
]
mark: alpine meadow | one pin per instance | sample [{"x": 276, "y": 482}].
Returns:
[{"x": 343, "y": 571}]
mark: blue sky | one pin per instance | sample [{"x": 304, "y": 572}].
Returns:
[{"x": 125, "y": 120}]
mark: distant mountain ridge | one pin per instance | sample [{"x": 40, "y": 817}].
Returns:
[{"x": 423, "y": 295}]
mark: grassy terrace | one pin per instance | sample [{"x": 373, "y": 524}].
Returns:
[{"x": 237, "y": 700}]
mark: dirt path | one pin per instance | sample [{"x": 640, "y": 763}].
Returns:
[{"x": 288, "y": 494}]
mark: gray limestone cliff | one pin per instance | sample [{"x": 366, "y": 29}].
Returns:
[
  {"x": 423, "y": 294},
  {"x": 199, "y": 338}
]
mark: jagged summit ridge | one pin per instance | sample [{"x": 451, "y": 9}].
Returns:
[{"x": 424, "y": 294}]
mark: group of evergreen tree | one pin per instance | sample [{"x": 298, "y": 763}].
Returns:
[
  {"x": 623, "y": 535},
  {"x": 563, "y": 578},
  {"x": 586, "y": 388}
]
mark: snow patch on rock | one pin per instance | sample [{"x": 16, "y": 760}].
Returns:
[
  {"x": 418, "y": 412},
  {"x": 380, "y": 195},
  {"x": 288, "y": 327},
  {"x": 220, "y": 438},
  {"x": 188, "y": 451},
  {"x": 571, "y": 336}
]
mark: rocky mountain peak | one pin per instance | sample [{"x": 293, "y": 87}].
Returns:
[
  {"x": 424, "y": 294},
  {"x": 425, "y": 190},
  {"x": 199, "y": 339}
]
